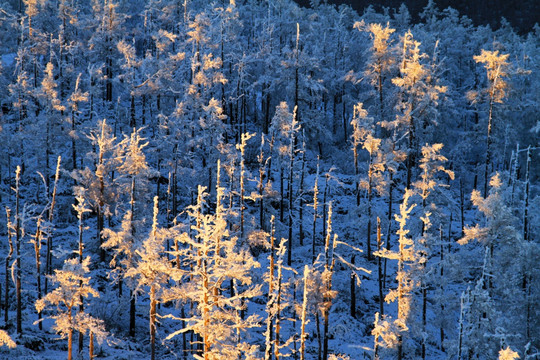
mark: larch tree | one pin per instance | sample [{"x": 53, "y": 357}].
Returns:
[
  {"x": 101, "y": 192},
  {"x": 73, "y": 287},
  {"x": 407, "y": 257},
  {"x": 80, "y": 208},
  {"x": 506, "y": 261},
  {"x": 285, "y": 127},
  {"x": 75, "y": 100},
  {"x": 381, "y": 61},
  {"x": 152, "y": 271},
  {"x": 363, "y": 134},
  {"x": 133, "y": 179},
  {"x": 496, "y": 66},
  {"x": 431, "y": 164},
  {"x": 419, "y": 96},
  {"x": 53, "y": 107},
  {"x": 215, "y": 259}
]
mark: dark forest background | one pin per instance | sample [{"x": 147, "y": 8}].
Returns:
[{"x": 522, "y": 14}]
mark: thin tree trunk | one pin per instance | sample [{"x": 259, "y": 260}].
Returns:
[
  {"x": 281, "y": 198},
  {"x": 315, "y": 207},
  {"x": 369, "y": 210},
  {"x": 81, "y": 229},
  {"x": 329, "y": 267},
  {"x": 442, "y": 276},
  {"x": 379, "y": 266},
  {"x": 304, "y": 311},
  {"x": 489, "y": 141},
  {"x": 18, "y": 240},
  {"x": 37, "y": 249},
  {"x": 290, "y": 193},
  {"x": 353, "y": 289},
  {"x": 8, "y": 258},
  {"x": 389, "y": 219},
  {"x": 319, "y": 337},
  {"x": 131, "y": 294},
  {"x": 462, "y": 205},
  {"x": 271, "y": 297},
  {"x": 277, "y": 352},
  {"x": 91, "y": 346},
  {"x": 70, "y": 336},
  {"x": 48, "y": 255},
  {"x": 260, "y": 185},
  {"x": 153, "y": 321},
  {"x": 301, "y": 191},
  {"x": 526, "y": 207}
]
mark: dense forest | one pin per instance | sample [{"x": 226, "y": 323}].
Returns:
[
  {"x": 190, "y": 179},
  {"x": 522, "y": 14}
]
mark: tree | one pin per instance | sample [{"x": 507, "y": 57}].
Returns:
[
  {"x": 285, "y": 127},
  {"x": 381, "y": 60},
  {"x": 505, "y": 267},
  {"x": 215, "y": 258},
  {"x": 496, "y": 70},
  {"x": 73, "y": 288},
  {"x": 431, "y": 164},
  {"x": 100, "y": 189},
  {"x": 5, "y": 340},
  {"x": 152, "y": 270},
  {"x": 80, "y": 208},
  {"x": 419, "y": 95},
  {"x": 407, "y": 258}
]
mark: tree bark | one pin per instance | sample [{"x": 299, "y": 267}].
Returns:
[
  {"x": 8, "y": 258},
  {"x": 18, "y": 252}
]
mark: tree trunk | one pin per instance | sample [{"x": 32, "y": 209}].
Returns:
[
  {"x": 389, "y": 218},
  {"x": 315, "y": 206},
  {"x": 281, "y": 198},
  {"x": 131, "y": 294},
  {"x": 353, "y": 289},
  {"x": 8, "y": 259},
  {"x": 37, "y": 249},
  {"x": 277, "y": 316},
  {"x": 48, "y": 255},
  {"x": 301, "y": 191},
  {"x": 70, "y": 335},
  {"x": 442, "y": 276},
  {"x": 379, "y": 266},
  {"x": 18, "y": 252},
  {"x": 526, "y": 207},
  {"x": 369, "y": 210},
  {"x": 153, "y": 321},
  {"x": 489, "y": 141},
  {"x": 290, "y": 193},
  {"x": 303, "y": 317},
  {"x": 91, "y": 346},
  {"x": 131, "y": 314}
]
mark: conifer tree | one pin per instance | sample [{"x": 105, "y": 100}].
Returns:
[
  {"x": 431, "y": 164},
  {"x": 216, "y": 258},
  {"x": 101, "y": 192},
  {"x": 73, "y": 288},
  {"x": 497, "y": 71},
  {"x": 407, "y": 257},
  {"x": 153, "y": 270},
  {"x": 80, "y": 208},
  {"x": 419, "y": 96},
  {"x": 381, "y": 60}
]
